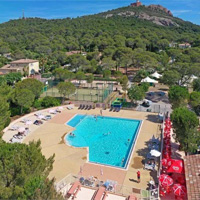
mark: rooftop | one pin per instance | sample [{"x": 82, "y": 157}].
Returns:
[
  {"x": 23, "y": 61},
  {"x": 192, "y": 174}
]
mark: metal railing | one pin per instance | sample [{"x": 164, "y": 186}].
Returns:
[{"x": 90, "y": 182}]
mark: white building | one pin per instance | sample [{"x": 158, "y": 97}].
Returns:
[{"x": 25, "y": 66}]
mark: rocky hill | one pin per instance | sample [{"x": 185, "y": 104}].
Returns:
[{"x": 154, "y": 13}]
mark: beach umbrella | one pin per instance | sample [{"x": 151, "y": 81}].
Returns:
[
  {"x": 21, "y": 129},
  {"x": 155, "y": 153},
  {"x": 179, "y": 190},
  {"x": 165, "y": 180},
  {"x": 175, "y": 166}
]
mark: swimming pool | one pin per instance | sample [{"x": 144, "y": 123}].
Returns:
[{"x": 110, "y": 140}]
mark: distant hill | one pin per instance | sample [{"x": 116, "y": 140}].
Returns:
[{"x": 151, "y": 26}]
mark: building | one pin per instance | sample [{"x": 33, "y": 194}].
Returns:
[
  {"x": 184, "y": 46},
  {"x": 192, "y": 176},
  {"x": 137, "y": 4},
  {"x": 25, "y": 66}
]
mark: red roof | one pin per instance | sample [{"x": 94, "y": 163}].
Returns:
[{"x": 192, "y": 175}]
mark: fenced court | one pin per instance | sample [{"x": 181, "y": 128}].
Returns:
[{"x": 95, "y": 93}]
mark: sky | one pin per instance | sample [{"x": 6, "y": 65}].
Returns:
[{"x": 188, "y": 10}]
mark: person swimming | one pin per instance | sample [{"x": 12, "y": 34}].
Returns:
[
  {"x": 107, "y": 133},
  {"x": 123, "y": 159}
]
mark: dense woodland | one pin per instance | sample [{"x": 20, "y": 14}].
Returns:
[{"x": 110, "y": 43}]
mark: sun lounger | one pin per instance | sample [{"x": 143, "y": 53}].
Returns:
[
  {"x": 80, "y": 106},
  {"x": 90, "y": 107},
  {"x": 14, "y": 128},
  {"x": 132, "y": 197},
  {"x": 74, "y": 189},
  {"x": 83, "y": 107},
  {"x": 111, "y": 108},
  {"x": 99, "y": 194},
  {"x": 114, "y": 109},
  {"x": 86, "y": 107},
  {"x": 118, "y": 109}
]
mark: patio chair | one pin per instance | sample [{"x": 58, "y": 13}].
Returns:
[
  {"x": 73, "y": 190},
  {"x": 99, "y": 194}
]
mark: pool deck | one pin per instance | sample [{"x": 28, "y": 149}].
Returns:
[{"x": 68, "y": 160}]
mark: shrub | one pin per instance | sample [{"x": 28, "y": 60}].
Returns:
[{"x": 50, "y": 102}]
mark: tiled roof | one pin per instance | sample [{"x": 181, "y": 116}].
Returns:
[
  {"x": 192, "y": 175},
  {"x": 22, "y": 61}
]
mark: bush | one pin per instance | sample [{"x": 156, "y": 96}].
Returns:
[
  {"x": 37, "y": 104},
  {"x": 17, "y": 111},
  {"x": 50, "y": 102}
]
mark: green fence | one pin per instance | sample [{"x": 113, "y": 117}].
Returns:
[{"x": 93, "y": 93}]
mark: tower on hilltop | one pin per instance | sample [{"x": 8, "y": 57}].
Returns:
[{"x": 136, "y": 4}]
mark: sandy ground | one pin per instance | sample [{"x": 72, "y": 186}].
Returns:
[{"x": 69, "y": 159}]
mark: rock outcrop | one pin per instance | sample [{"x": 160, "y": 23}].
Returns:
[{"x": 161, "y": 8}]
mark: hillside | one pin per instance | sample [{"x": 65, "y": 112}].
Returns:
[{"x": 150, "y": 28}]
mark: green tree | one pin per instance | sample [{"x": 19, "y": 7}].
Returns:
[
  {"x": 136, "y": 93},
  {"x": 124, "y": 82},
  {"x": 90, "y": 79},
  {"x": 178, "y": 96},
  {"x": 32, "y": 85},
  {"x": 106, "y": 73},
  {"x": 78, "y": 62},
  {"x": 170, "y": 77},
  {"x": 66, "y": 88},
  {"x": 108, "y": 63},
  {"x": 12, "y": 78},
  {"x": 195, "y": 102},
  {"x": 145, "y": 86},
  {"x": 4, "y": 113},
  {"x": 80, "y": 76},
  {"x": 24, "y": 98},
  {"x": 23, "y": 175},
  {"x": 185, "y": 124},
  {"x": 196, "y": 85}
]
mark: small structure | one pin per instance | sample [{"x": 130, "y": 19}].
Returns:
[
  {"x": 156, "y": 75},
  {"x": 184, "y": 46},
  {"x": 192, "y": 175},
  {"x": 137, "y": 4},
  {"x": 76, "y": 52},
  {"x": 148, "y": 80},
  {"x": 23, "y": 65}
]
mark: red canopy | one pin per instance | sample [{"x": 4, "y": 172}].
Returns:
[
  {"x": 165, "y": 180},
  {"x": 179, "y": 190},
  {"x": 175, "y": 166}
]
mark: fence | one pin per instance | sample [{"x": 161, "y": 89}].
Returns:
[
  {"x": 64, "y": 185},
  {"x": 94, "y": 93}
]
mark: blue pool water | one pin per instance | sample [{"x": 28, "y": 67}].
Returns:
[{"x": 106, "y": 137}]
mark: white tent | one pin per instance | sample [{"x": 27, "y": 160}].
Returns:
[
  {"x": 156, "y": 75},
  {"x": 148, "y": 80}
]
